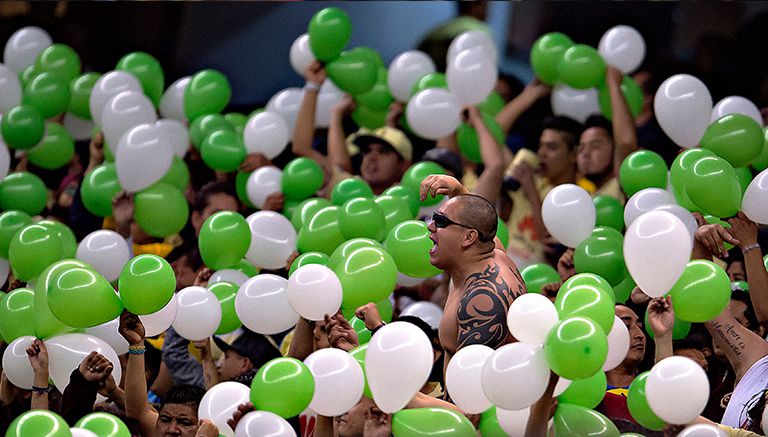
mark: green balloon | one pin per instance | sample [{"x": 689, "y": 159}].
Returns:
[
  {"x": 146, "y": 284},
  {"x": 306, "y": 210},
  {"x": 384, "y": 306},
  {"x": 48, "y": 93},
  {"x": 24, "y": 192},
  {"x": 431, "y": 80},
  {"x": 302, "y": 178},
  {"x": 205, "y": 125},
  {"x": 223, "y": 150},
  {"x": 246, "y": 267},
  {"x": 308, "y": 258},
  {"x": 375, "y": 56},
  {"x": 178, "y": 174},
  {"x": 623, "y": 290},
  {"x": 576, "y": 347},
  {"x": 161, "y": 210},
  {"x": 55, "y": 150},
  {"x": 358, "y": 354},
  {"x": 60, "y": 59},
  {"x": 340, "y": 255},
  {"x": 362, "y": 218},
  {"x": 737, "y": 138},
  {"x": 32, "y": 249},
  {"x": 535, "y": 276},
  {"x": 586, "y": 279},
  {"x": 45, "y": 323},
  {"x": 71, "y": 287},
  {"x": 502, "y": 232},
  {"x": 363, "y": 334},
  {"x": 546, "y": 53},
  {"x": 761, "y": 162},
  {"x": 23, "y": 127},
  {"x": 469, "y": 144},
  {"x": 27, "y": 75},
  {"x": 369, "y": 118},
  {"x": 581, "y": 67},
  {"x": 241, "y": 182},
  {"x": 409, "y": 245},
  {"x": 677, "y": 174},
  {"x": 11, "y": 222},
  {"x": 80, "y": 94},
  {"x": 608, "y": 232},
  {"x": 99, "y": 187},
  {"x": 410, "y": 196},
  {"x": 575, "y": 420},
  {"x": 104, "y": 425},
  {"x": 587, "y": 392},
  {"x": 378, "y": 98},
  {"x": 638, "y": 405},
  {"x": 226, "y": 292},
  {"x": 418, "y": 422},
  {"x": 701, "y": 293},
  {"x": 149, "y": 72},
  {"x": 350, "y": 188},
  {"x": 489, "y": 424},
  {"x": 65, "y": 235},
  {"x": 417, "y": 173},
  {"x": 680, "y": 328},
  {"x": 633, "y": 95},
  {"x": 493, "y": 104},
  {"x": 601, "y": 256},
  {"x": 224, "y": 239},
  {"x": 329, "y": 31},
  {"x": 42, "y": 423},
  {"x": 642, "y": 169},
  {"x": 208, "y": 92},
  {"x": 396, "y": 211},
  {"x": 354, "y": 71},
  {"x": 368, "y": 274},
  {"x": 609, "y": 212},
  {"x": 321, "y": 233},
  {"x": 712, "y": 185},
  {"x": 744, "y": 175},
  {"x": 16, "y": 313},
  {"x": 587, "y": 301},
  {"x": 283, "y": 386},
  {"x": 237, "y": 121}
]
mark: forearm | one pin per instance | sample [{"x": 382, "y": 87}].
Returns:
[
  {"x": 136, "y": 403},
  {"x": 304, "y": 131},
  {"x": 337, "y": 146},
  {"x": 210, "y": 373},
  {"x": 302, "y": 341},
  {"x": 624, "y": 134},
  {"x": 78, "y": 398},
  {"x": 700, "y": 251},
  {"x": 420, "y": 400},
  {"x": 449, "y": 143},
  {"x": 489, "y": 183},
  {"x": 757, "y": 277},
  {"x": 514, "y": 109},
  {"x": 6, "y": 390},
  {"x": 40, "y": 400},
  {"x": 663, "y": 345},
  {"x": 742, "y": 347},
  {"x": 324, "y": 426},
  {"x": 538, "y": 418},
  {"x": 118, "y": 397}
]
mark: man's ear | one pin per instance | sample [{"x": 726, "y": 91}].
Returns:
[
  {"x": 470, "y": 238},
  {"x": 197, "y": 220}
]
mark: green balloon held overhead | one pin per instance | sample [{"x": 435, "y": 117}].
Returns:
[
  {"x": 80, "y": 94},
  {"x": 302, "y": 178},
  {"x": 178, "y": 174},
  {"x": 48, "y": 93},
  {"x": 418, "y": 422},
  {"x": 225, "y": 292},
  {"x": 368, "y": 274},
  {"x": 11, "y": 222},
  {"x": 348, "y": 189},
  {"x": 546, "y": 53},
  {"x": 575, "y": 420},
  {"x": 493, "y": 104},
  {"x": 306, "y": 210},
  {"x": 410, "y": 196},
  {"x": 32, "y": 249},
  {"x": 586, "y": 279},
  {"x": 362, "y": 218},
  {"x": 224, "y": 239},
  {"x": 701, "y": 293},
  {"x": 23, "y": 127},
  {"x": 378, "y": 98},
  {"x": 146, "y": 284},
  {"x": 65, "y": 235},
  {"x": 623, "y": 290},
  {"x": 633, "y": 95},
  {"x": 104, "y": 425},
  {"x": 609, "y": 212},
  {"x": 205, "y": 125},
  {"x": 246, "y": 268},
  {"x": 358, "y": 354},
  {"x": 608, "y": 232},
  {"x": 601, "y": 256},
  {"x": 55, "y": 150},
  {"x": 99, "y": 187},
  {"x": 321, "y": 233},
  {"x": 469, "y": 143},
  {"x": 308, "y": 258},
  {"x": 27, "y": 75},
  {"x": 417, "y": 173},
  {"x": 489, "y": 424},
  {"x": 638, "y": 405},
  {"x": 237, "y": 121},
  {"x": 744, "y": 175},
  {"x": 761, "y": 162},
  {"x": 369, "y": 118},
  {"x": 16, "y": 314},
  {"x": 642, "y": 169},
  {"x": 354, "y": 71},
  {"x": 712, "y": 185},
  {"x": 737, "y": 138},
  {"x": 502, "y": 232},
  {"x": 60, "y": 59},
  {"x": 283, "y": 386},
  {"x": 431, "y": 80},
  {"x": 345, "y": 249},
  {"x": 23, "y": 192},
  {"x": 329, "y": 31},
  {"x": 677, "y": 175},
  {"x": 587, "y": 301},
  {"x": 208, "y": 92},
  {"x": 161, "y": 210},
  {"x": 149, "y": 72},
  {"x": 576, "y": 348},
  {"x": 396, "y": 210},
  {"x": 223, "y": 150},
  {"x": 535, "y": 276},
  {"x": 581, "y": 67},
  {"x": 38, "y": 423},
  {"x": 363, "y": 334},
  {"x": 680, "y": 328},
  {"x": 587, "y": 392},
  {"x": 73, "y": 286},
  {"x": 45, "y": 323},
  {"x": 241, "y": 182},
  {"x": 409, "y": 245}
]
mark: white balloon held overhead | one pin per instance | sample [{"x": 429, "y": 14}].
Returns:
[
  {"x": 262, "y": 305},
  {"x": 106, "y": 251},
  {"x": 339, "y": 381},
  {"x": 433, "y": 113},
  {"x": 405, "y": 70},
  {"x": 80, "y": 128},
  {"x": 107, "y": 86},
  {"x": 683, "y": 107},
  {"x": 124, "y": 111},
  {"x": 220, "y": 401},
  {"x": 569, "y": 214},
  {"x": 10, "y": 89},
  {"x": 530, "y": 318},
  {"x": 623, "y": 47},
  {"x": 108, "y": 332},
  {"x": 573, "y": 103},
  {"x": 156, "y": 323},
  {"x": 300, "y": 54},
  {"x": 266, "y": 133},
  {"x": 286, "y": 104},
  {"x": 677, "y": 390},
  {"x": 143, "y": 157},
  {"x": 23, "y": 46},
  {"x": 66, "y": 352},
  {"x": 175, "y": 134},
  {"x": 16, "y": 366},
  {"x": 263, "y": 423},
  {"x": 228, "y": 275},
  {"x": 471, "y": 76},
  {"x": 172, "y": 101},
  {"x": 515, "y": 376},
  {"x": 273, "y": 239},
  {"x": 198, "y": 314},
  {"x": 473, "y": 39},
  {"x": 314, "y": 291},
  {"x": 263, "y": 182},
  {"x": 426, "y": 311},
  {"x": 755, "y": 201},
  {"x": 463, "y": 378},
  {"x": 618, "y": 344},
  {"x": 736, "y": 105},
  {"x": 328, "y": 97},
  {"x": 644, "y": 201}
]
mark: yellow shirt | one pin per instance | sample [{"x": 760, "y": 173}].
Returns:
[
  {"x": 734, "y": 432},
  {"x": 611, "y": 188},
  {"x": 525, "y": 247}
]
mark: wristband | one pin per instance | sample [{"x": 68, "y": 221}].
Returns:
[
  {"x": 381, "y": 325},
  {"x": 41, "y": 390},
  {"x": 750, "y": 247},
  {"x": 311, "y": 86},
  {"x": 136, "y": 350}
]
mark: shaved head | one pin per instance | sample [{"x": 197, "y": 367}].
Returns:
[{"x": 477, "y": 212}]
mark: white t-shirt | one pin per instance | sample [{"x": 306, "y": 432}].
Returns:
[{"x": 746, "y": 394}]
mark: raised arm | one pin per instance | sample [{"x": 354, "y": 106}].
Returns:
[
  {"x": 210, "y": 373},
  {"x": 302, "y": 340},
  {"x": 136, "y": 403},
  {"x": 38, "y": 358},
  {"x": 661, "y": 318},
  {"x": 624, "y": 133},
  {"x": 489, "y": 182},
  {"x": 337, "y": 140},
  {"x": 517, "y": 106},
  {"x": 304, "y": 132},
  {"x": 742, "y": 346},
  {"x": 745, "y": 231}
]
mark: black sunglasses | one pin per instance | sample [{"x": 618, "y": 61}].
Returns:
[{"x": 442, "y": 222}]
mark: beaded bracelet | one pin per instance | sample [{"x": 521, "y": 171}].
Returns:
[
  {"x": 750, "y": 247},
  {"x": 311, "y": 86},
  {"x": 136, "y": 350},
  {"x": 40, "y": 390}
]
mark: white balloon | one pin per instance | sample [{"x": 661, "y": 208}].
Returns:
[
  {"x": 471, "y": 76},
  {"x": 426, "y": 311},
  {"x": 339, "y": 381},
  {"x": 405, "y": 70},
  {"x": 16, "y": 364},
  {"x": 220, "y": 401},
  {"x": 108, "y": 332},
  {"x": 143, "y": 157},
  {"x": 657, "y": 248},
  {"x": 755, "y": 201},
  {"x": 644, "y": 201},
  {"x": 561, "y": 386},
  {"x": 408, "y": 281},
  {"x": 66, "y": 352},
  {"x": 683, "y": 214},
  {"x": 531, "y": 317},
  {"x": 573, "y": 103},
  {"x": 106, "y": 251},
  {"x": 300, "y": 54},
  {"x": 513, "y": 422},
  {"x": 198, "y": 314},
  {"x": 286, "y": 104},
  {"x": 263, "y": 182},
  {"x": 623, "y": 47},
  {"x": 122, "y": 112},
  {"x": 273, "y": 239},
  {"x": 328, "y": 97},
  {"x": 107, "y": 86},
  {"x": 472, "y": 39},
  {"x": 5, "y": 269},
  {"x": 172, "y": 101},
  {"x": 569, "y": 214},
  {"x": 5, "y": 158},
  {"x": 228, "y": 275},
  {"x": 677, "y": 390},
  {"x": 23, "y": 46},
  {"x": 262, "y": 305},
  {"x": 683, "y": 108},
  {"x": 314, "y": 290},
  {"x": 463, "y": 378},
  {"x": 82, "y": 432},
  {"x": 263, "y": 424},
  {"x": 392, "y": 379},
  {"x": 515, "y": 376},
  {"x": 158, "y": 322},
  {"x": 701, "y": 430},
  {"x": 731, "y": 105},
  {"x": 175, "y": 134},
  {"x": 266, "y": 133},
  {"x": 618, "y": 344},
  {"x": 80, "y": 128},
  {"x": 433, "y": 113},
  {"x": 10, "y": 89}
]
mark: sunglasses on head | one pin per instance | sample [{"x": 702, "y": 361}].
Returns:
[{"x": 442, "y": 222}]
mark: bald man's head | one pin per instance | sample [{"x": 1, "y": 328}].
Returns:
[{"x": 478, "y": 213}]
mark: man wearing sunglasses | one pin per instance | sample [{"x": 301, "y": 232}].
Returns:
[{"x": 484, "y": 280}]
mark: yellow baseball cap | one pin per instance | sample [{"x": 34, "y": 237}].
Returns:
[{"x": 395, "y": 138}]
